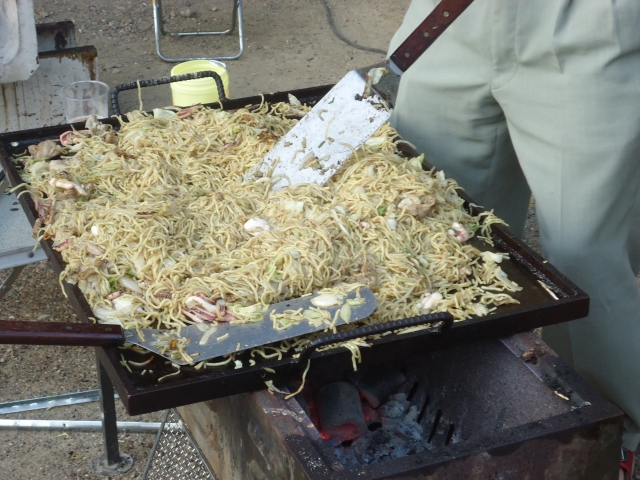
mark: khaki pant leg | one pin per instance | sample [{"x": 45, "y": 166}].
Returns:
[
  {"x": 446, "y": 109},
  {"x": 573, "y": 112},
  {"x": 566, "y": 74},
  {"x": 634, "y": 237}
]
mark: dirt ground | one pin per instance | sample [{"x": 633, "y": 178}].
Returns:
[{"x": 289, "y": 45}]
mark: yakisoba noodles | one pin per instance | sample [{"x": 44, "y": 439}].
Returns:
[{"x": 158, "y": 228}]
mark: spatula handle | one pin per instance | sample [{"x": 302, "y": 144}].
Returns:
[
  {"x": 67, "y": 334},
  {"x": 427, "y": 32}
]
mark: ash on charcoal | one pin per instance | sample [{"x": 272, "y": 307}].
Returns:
[
  {"x": 395, "y": 406},
  {"x": 394, "y": 434},
  {"x": 377, "y": 384}
]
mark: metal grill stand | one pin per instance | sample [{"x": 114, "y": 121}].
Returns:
[
  {"x": 158, "y": 26},
  {"x": 113, "y": 462},
  {"x": 174, "y": 455}
]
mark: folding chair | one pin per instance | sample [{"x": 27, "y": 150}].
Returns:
[{"x": 159, "y": 31}]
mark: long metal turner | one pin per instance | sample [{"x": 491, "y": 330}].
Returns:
[
  {"x": 319, "y": 144},
  {"x": 226, "y": 338}
]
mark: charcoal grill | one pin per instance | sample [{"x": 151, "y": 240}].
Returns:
[
  {"x": 493, "y": 409},
  {"x": 547, "y": 298}
]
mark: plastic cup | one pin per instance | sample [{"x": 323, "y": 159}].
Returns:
[
  {"x": 201, "y": 90},
  {"x": 84, "y": 99}
]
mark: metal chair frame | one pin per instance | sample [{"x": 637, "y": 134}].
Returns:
[{"x": 159, "y": 31}]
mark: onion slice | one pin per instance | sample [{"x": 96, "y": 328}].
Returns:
[
  {"x": 325, "y": 300},
  {"x": 208, "y": 333}
]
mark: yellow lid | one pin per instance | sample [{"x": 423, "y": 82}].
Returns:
[{"x": 201, "y": 90}]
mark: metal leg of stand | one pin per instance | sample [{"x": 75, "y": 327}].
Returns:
[
  {"x": 158, "y": 25},
  {"x": 114, "y": 462},
  {"x": 13, "y": 276},
  {"x": 4, "y": 183}
]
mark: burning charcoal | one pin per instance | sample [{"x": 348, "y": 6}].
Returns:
[
  {"x": 397, "y": 434},
  {"x": 390, "y": 424},
  {"x": 394, "y": 408},
  {"x": 408, "y": 428},
  {"x": 370, "y": 415},
  {"x": 347, "y": 457},
  {"x": 361, "y": 445},
  {"x": 339, "y": 452},
  {"x": 401, "y": 396},
  {"x": 380, "y": 445},
  {"x": 410, "y": 431},
  {"x": 389, "y": 446},
  {"x": 340, "y": 411},
  {"x": 412, "y": 415},
  {"x": 380, "y": 437},
  {"x": 334, "y": 442},
  {"x": 398, "y": 448},
  {"x": 365, "y": 459},
  {"x": 376, "y": 384}
]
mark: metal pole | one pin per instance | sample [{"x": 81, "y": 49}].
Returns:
[
  {"x": 113, "y": 462},
  {"x": 13, "y": 276},
  {"x": 81, "y": 426},
  {"x": 108, "y": 414},
  {"x": 50, "y": 402}
]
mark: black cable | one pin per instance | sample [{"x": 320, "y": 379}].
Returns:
[{"x": 342, "y": 37}]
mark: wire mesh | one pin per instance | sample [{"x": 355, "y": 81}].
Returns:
[{"x": 175, "y": 455}]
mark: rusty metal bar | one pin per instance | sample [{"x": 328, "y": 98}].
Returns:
[{"x": 113, "y": 462}]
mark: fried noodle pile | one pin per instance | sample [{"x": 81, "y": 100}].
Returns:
[{"x": 158, "y": 228}]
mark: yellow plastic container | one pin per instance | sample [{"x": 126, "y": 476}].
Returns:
[{"x": 201, "y": 90}]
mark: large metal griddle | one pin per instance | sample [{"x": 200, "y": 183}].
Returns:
[{"x": 142, "y": 394}]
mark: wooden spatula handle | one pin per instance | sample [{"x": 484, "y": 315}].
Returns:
[
  {"x": 52, "y": 333},
  {"x": 427, "y": 32}
]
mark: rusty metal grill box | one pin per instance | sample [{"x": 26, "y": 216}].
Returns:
[{"x": 505, "y": 408}]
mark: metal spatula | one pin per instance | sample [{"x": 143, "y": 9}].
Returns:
[
  {"x": 226, "y": 338},
  {"x": 313, "y": 150}
]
